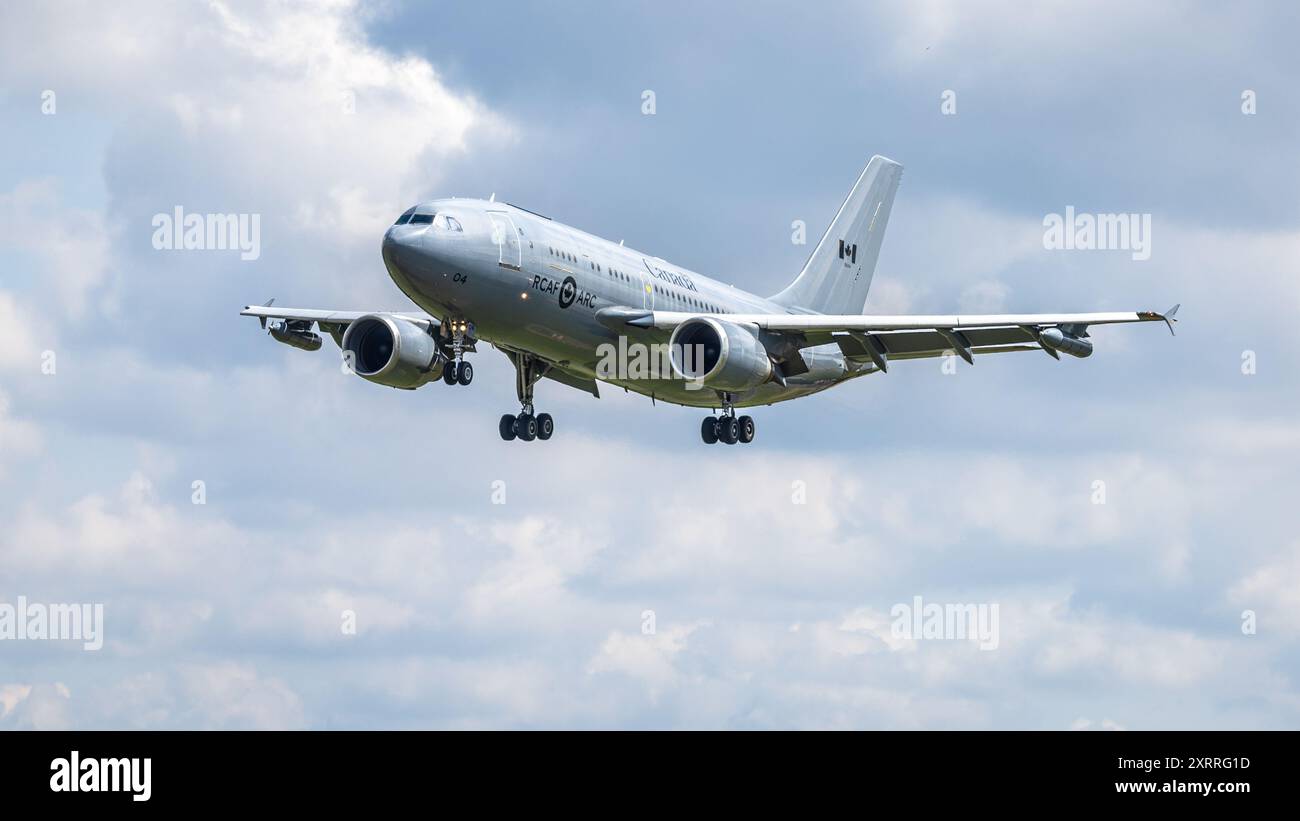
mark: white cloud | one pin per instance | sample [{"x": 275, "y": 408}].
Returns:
[
  {"x": 18, "y": 347},
  {"x": 1274, "y": 592},
  {"x": 983, "y": 297},
  {"x": 648, "y": 658},
  {"x": 1082, "y": 723},
  {"x": 18, "y": 437},
  {"x": 324, "y": 134},
  {"x": 127, "y": 535},
  {"x": 327, "y": 494},
  {"x": 11, "y": 695},
  {"x": 37, "y": 707},
  {"x": 232, "y": 696},
  {"x": 68, "y": 243}
]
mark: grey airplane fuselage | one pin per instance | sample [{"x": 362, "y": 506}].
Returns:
[{"x": 533, "y": 285}]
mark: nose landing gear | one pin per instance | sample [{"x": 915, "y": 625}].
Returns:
[{"x": 457, "y": 371}]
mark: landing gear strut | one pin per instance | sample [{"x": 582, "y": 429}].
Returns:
[
  {"x": 456, "y": 371},
  {"x": 727, "y": 428},
  {"x": 527, "y": 427}
]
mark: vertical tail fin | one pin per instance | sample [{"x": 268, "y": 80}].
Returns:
[{"x": 837, "y": 276}]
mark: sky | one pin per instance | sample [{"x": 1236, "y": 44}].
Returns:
[{"x": 370, "y": 558}]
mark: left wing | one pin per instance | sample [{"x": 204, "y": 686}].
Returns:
[
  {"x": 862, "y": 322},
  {"x": 880, "y": 338}
]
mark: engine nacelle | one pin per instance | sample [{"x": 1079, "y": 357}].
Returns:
[
  {"x": 719, "y": 354},
  {"x": 1059, "y": 340},
  {"x": 392, "y": 351}
]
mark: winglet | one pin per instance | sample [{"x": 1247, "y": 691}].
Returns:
[{"x": 1167, "y": 317}]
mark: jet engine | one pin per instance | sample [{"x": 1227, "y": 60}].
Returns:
[
  {"x": 392, "y": 351},
  {"x": 719, "y": 354}
]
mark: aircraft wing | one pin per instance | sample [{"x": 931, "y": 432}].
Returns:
[
  {"x": 851, "y": 322},
  {"x": 336, "y": 319},
  {"x": 880, "y": 338},
  {"x": 574, "y": 380}
]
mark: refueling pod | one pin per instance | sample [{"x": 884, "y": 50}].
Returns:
[
  {"x": 297, "y": 334},
  {"x": 1059, "y": 340}
]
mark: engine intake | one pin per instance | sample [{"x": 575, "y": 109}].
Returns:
[
  {"x": 391, "y": 351},
  {"x": 719, "y": 354}
]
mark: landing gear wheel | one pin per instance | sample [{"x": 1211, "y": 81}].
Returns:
[
  {"x": 525, "y": 427},
  {"x": 449, "y": 373},
  {"x": 709, "y": 430},
  {"x": 507, "y": 427},
  {"x": 545, "y": 426},
  {"x": 746, "y": 429},
  {"x": 464, "y": 373},
  {"x": 728, "y": 430}
]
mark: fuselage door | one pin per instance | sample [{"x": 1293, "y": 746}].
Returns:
[{"x": 506, "y": 238}]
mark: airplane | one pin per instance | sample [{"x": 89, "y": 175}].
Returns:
[{"x": 559, "y": 301}]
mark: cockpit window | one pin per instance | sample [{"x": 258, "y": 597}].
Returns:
[
  {"x": 421, "y": 219},
  {"x": 405, "y": 217},
  {"x": 452, "y": 224}
]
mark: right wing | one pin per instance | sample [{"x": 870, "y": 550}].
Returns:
[
  {"x": 295, "y": 326},
  {"x": 339, "y": 319}
]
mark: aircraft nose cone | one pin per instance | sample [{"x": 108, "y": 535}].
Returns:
[{"x": 399, "y": 246}]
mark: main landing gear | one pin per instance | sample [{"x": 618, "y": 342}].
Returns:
[
  {"x": 456, "y": 371},
  {"x": 526, "y": 427},
  {"x": 727, "y": 428}
]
